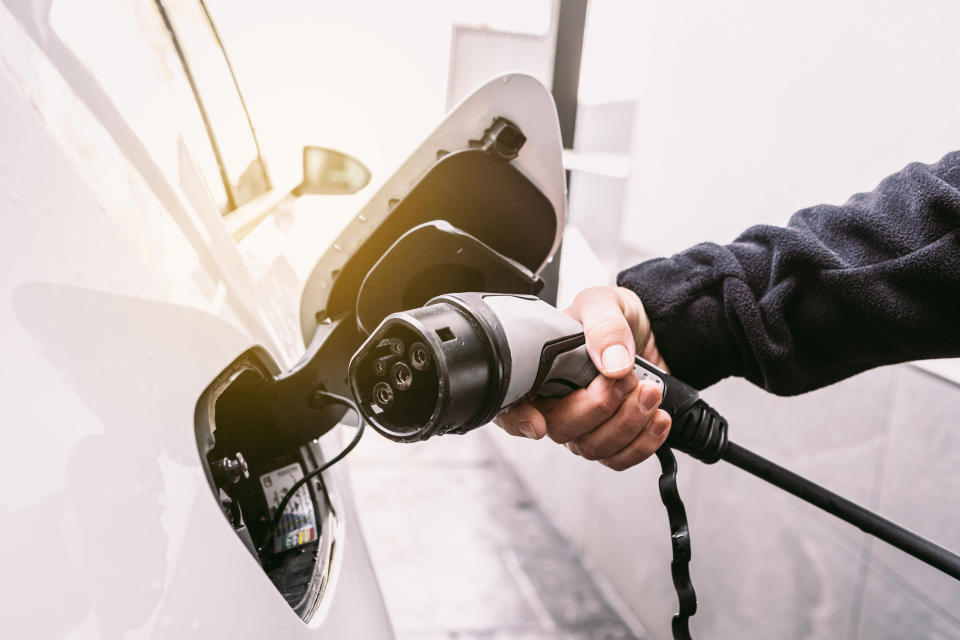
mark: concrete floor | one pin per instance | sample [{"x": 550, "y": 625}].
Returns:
[{"x": 463, "y": 552}]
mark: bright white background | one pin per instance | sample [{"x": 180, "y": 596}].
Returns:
[{"x": 749, "y": 110}]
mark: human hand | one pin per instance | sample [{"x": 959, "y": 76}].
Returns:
[{"x": 615, "y": 419}]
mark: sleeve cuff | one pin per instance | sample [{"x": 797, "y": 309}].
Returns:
[{"x": 685, "y": 306}]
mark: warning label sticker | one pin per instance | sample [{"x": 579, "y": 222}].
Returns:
[{"x": 298, "y": 524}]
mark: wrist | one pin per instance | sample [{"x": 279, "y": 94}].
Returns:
[
  {"x": 651, "y": 354},
  {"x": 646, "y": 344}
]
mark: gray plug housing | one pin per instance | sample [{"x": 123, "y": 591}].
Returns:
[{"x": 485, "y": 352}]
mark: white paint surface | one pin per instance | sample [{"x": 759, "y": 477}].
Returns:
[{"x": 119, "y": 303}]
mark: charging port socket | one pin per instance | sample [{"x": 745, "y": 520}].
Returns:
[{"x": 249, "y": 469}]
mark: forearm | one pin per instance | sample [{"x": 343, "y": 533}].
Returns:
[{"x": 837, "y": 291}]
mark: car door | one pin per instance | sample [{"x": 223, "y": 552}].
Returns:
[
  {"x": 111, "y": 215},
  {"x": 149, "y": 352}
]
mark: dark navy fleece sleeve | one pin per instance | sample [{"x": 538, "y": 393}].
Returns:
[{"x": 839, "y": 290}]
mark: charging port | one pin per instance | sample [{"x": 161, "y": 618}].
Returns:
[{"x": 250, "y": 467}]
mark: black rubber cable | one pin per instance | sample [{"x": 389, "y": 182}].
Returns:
[
  {"x": 869, "y": 522},
  {"x": 701, "y": 432},
  {"x": 335, "y": 399},
  {"x": 890, "y": 532},
  {"x": 680, "y": 544}
]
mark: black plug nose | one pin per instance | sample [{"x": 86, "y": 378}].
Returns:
[{"x": 424, "y": 372}]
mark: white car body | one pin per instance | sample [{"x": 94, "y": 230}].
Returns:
[{"x": 126, "y": 292}]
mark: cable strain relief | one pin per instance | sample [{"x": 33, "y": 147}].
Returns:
[{"x": 699, "y": 431}]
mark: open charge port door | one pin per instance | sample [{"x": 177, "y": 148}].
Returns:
[{"x": 250, "y": 465}]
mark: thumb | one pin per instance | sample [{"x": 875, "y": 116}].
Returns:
[{"x": 610, "y": 340}]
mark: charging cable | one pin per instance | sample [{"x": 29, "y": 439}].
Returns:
[{"x": 278, "y": 513}]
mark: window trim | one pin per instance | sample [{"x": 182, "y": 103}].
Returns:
[{"x": 205, "y": 116}]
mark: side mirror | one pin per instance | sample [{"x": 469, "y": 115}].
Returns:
[{"x": 331, "y": 172}]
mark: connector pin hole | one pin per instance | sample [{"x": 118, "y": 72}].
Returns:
[
  {"x": 419, "y": 356},
  {"x": 383, "y": 394},
  {"x": 381, "y": 365},
  {"x": 393, "y": 346},
  {"x": 401, "y": 376}
]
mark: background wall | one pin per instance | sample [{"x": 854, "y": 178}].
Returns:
[
  {"x": 750, "y": 110},
  {"x": 741, "y": 113}
]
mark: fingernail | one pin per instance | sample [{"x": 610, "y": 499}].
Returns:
[
  {"x": 658, "y": 428},
  {"x": 625, "y": 385},
  {"x": 649, "y": 396},
  {"x": 526, "y": 428},
  {"x": 615, "y": 357},
  {"x": 573, "y": 448}
]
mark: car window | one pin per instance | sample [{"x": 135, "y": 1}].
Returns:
[
  {"x": 219, "y": 98},
  {"x": 132, "y": 57}
]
